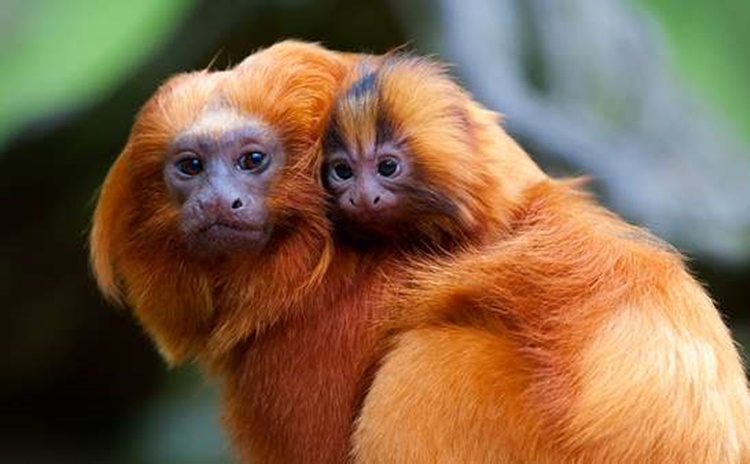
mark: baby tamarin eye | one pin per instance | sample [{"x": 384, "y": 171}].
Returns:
[
  {"x": 342, "y": 170},
  {"x": 389, "y": 167}
]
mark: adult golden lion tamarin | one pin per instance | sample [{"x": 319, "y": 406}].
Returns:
[{"x": 212, "y": 226}]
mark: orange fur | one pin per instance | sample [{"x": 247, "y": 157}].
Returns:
[
  {"x": 606, "y": 351},
  {"x": 281, "y": 328},
  {"x": 551, "y": 332},
  {"x": 557, "y": 334},
  {"x": 453, "y": 141},
  {"x": 568, "y": 336}
]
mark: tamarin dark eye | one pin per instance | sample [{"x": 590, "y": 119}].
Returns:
[
  {"x": 190, "y": 166},
  {"x": 388, "y": 167},
  {"x": 252, "y": 161},
  {"x": 343, "y": 171}
]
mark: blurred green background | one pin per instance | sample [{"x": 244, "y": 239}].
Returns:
[{"x": 648, "y": 96}]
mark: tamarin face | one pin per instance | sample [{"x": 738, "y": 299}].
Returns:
[
  {"x": 367, "y": 167},
  {"x": 400, "y": 155},
  {"x": 220, "y": 181},
  {"x": 370, "y": 183}
]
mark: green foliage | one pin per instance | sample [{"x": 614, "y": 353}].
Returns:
[
  {"x": 710, "y": 43},
  {"x": 55, "y": 54}
]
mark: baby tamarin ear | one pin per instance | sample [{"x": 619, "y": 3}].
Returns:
[{"x": 409, "y": 156}]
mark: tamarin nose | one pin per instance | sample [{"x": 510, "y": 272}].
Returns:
[
  {"x": 237, "y": 204},
  {"x": 376, "y": 200},
  {"x": 351, "y": 200}
]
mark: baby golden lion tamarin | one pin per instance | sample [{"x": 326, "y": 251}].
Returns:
[
  {"x": 409, "y": 157},
  {"x": 554, "y": 333}
]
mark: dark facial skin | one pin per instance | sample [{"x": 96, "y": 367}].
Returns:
[
  {"x": 367, "y": 185},
  {"x": 219, "y": 179}
]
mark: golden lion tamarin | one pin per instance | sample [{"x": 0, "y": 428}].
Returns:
[
  {"x": 555, "y": 332},
  {"x": 419, "y": 166},
  {"x": 518, "y": 329},
  {"x": 212, "y": 226}
]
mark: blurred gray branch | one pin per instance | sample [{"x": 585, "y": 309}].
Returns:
[{"x": 586, "y": 82}]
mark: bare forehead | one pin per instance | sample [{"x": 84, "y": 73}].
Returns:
[{"x": 220, "y": 126}]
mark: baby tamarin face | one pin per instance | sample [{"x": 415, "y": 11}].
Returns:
[
  {"x": 370, "y": 181},
  {"x": 400, "y": 156}
]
